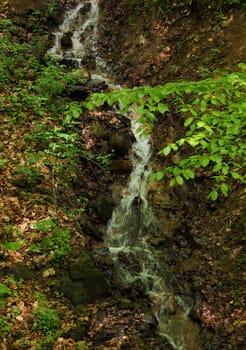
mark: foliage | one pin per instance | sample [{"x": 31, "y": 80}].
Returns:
[
  {"x": 213, "y": 113},
  {"x": 4, "y": 290},
  {"x": 55, "y": 240},
  {"x": 5, "y": 325},
  {"x": 11, "y": 246},
  {"x": 47, "y": 320}
]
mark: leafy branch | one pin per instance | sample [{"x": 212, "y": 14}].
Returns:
[{"x": 213, "y": 111}]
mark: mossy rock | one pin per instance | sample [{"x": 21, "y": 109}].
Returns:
[
  {"x": 86, "y": 283},
  {"x": 81, "y": 268}
]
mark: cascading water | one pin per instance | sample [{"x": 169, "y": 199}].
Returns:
[
  {"x": 79, "y": 29},
  {"x": 131, "y": 226}
]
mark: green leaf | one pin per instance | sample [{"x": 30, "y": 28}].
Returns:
[
  {"x": 225, "y": 169},
  {"x": 188, "y": 174},
  {"x": 90, "y": 105},
  {"x": 166, "y": 150},
  {"x": 4, "y": 290},
  {"x": 162, "y": 108},
  {"x": 213, "y": 195},
  {"x": 157, "y": 176},
  {"x": 179, "y": 180},
  {"x": 174, "y": 146},
  {"x": 200, "y": 124},
  {"x": 224, "y": 189},
  {"x": 172, "y": 182},
  {"x": 180, "y": 142},
  {"x": 203, "y": 106},
  {"x": 217, "y": 167},
  {"x": 188, "y": 121},
  {"x": 216, "y": 158},
  {"x": 205, "y": 161},
  {"x": 11, "y": 245},
  {"x": 235, "y": 175}
]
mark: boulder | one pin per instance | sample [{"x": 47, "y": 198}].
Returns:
[{"x": 85, "y": 282}]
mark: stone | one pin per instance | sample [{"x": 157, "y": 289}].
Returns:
[
  {"x": 85, "y": 282},
  {"x": 49, "y": 272},
  {"x": 66, "y": 41},
  {"x": 120, "y": 167},
  {"x": 122, "y": 142},
  {"x": 104, "y": 206}
]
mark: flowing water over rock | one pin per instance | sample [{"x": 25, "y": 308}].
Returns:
[
  {"x": 132, "y": 224},
  {"x": 75, "y": 40}
]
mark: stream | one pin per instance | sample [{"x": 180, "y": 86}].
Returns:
[{"x": 132, "y": 224}]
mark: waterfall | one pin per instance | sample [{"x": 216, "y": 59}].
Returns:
[
  {"x": 131, "y": 227},
  {"x": 129, "y": 233}
]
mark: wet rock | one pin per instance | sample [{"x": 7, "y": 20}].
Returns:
[
  {"x": 66, "y": 41},
  {"x": 104, "y": 206},
  {"x": 122, "y": 142},
  {"x": 120, "y": 167},
  {"x": 78, "y": 92},
  {"x": 85, "y": 9},
  {"x": 94, "y": 230},
  {"x": 102, "y": 257},
  {"x": 81, "y": 292},
  {"x": 89, "y": 62},
  {"x": 85, "y": 282},
  {"x": 183, "y": 329},
  {"x": 150, "y": 322}
]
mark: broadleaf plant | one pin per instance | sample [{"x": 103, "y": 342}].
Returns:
[{"x": 214, "y": 116}]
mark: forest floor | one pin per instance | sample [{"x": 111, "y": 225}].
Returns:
[{"x": 140, "y": 52}]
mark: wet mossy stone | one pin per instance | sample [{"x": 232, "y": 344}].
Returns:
[
  {"x": 66, "y": 41},
  {"x": 86, "y": 283},
  {"x": 122, "y": 142}
]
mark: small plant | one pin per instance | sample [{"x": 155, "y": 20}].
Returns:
[
  {"x": 3, "y": 162},
  {"x": 4, "y": 290},
  {"x": 47, "y": 320},
  {"x": 5, "y": 325},
  {"x": 55, "y": 240},
  {"x": 28, "y": 175}
]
